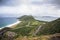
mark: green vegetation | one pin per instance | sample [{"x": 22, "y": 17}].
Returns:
[
  {"x": 26, "y": 18},
  {"x": 27, "y": 28},
  {"x": 51, "y": 27}
]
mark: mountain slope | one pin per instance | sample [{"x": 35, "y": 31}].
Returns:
[{"x": 51, "y": 27}]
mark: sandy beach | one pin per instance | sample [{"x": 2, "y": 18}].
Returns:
[{"x": 12, "y": 25}]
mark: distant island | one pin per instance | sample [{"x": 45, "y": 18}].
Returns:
[{"x": 28, "y": 28}]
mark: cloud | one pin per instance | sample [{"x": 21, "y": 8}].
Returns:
[
  {"x": 31, "y": 10},
  {"x": 39, "y": 8},
  {"x": 36, "y": 2},
  {"x": 9, "y": 2},
  {"x": 51, "y": 2},
  {"x": 56, "y": 2}
]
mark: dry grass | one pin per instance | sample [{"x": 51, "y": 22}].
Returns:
[{"x": 34, "y": 38}]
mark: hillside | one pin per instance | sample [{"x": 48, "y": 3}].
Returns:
[
  {"x": 27, "y": 26},
  {"x": 30, "y": 29},
  {"x": 51, "y": 27}
]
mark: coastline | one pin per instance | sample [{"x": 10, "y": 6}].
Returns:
[{"x": 11, "y": 25}]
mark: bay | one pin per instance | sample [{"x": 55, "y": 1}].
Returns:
[{"x": 4, "y": 21}]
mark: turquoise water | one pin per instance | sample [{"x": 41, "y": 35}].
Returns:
[{"x": 4, "y": 21}]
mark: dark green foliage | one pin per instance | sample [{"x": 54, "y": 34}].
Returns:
[
  {"x": 27, "y": 26},
  {"x": 24, "y": 31},
  {"x": 51, "y": 27},
  {"x": 26, "y": 18}
]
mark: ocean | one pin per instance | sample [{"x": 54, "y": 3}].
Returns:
[{"x": 4, "y": 21}]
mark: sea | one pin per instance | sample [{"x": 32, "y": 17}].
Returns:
[{"x": 4, "y": 21}]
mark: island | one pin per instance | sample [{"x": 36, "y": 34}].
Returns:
[{"x": 29, "y": 28}]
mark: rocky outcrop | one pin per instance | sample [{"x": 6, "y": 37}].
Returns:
[
  {"x": 6, "y": 34},
  {"x": 55, "y": 36},
  {"x": 10, "y": 35}
]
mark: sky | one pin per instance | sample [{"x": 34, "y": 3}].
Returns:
[{"x": 30, "y": 7}]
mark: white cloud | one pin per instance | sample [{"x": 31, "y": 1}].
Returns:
[
  {"x": 30, "y": 9},
  {"x": 39, "y": 0}
]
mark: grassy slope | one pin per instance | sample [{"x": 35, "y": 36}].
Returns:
[
  {"x": 27, "y": 28},
  {"x": 51, "y": 28}
]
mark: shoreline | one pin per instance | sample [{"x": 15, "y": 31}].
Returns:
[{"x": 11, "y": 24}]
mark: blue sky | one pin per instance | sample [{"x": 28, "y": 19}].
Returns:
[{"x": 30, "y": 7}]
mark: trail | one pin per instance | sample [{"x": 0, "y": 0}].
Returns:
[{"x": 37, "y": 30}]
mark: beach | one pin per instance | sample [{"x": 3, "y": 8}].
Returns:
[{"x": 12, "y": 25}]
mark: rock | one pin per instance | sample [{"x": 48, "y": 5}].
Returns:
[
  {"x": 6, "y": 34},
  {"x": 10, "y": 35},
  {"x": 56, "y": 36}
]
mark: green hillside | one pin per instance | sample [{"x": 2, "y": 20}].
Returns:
[
  {"x": 51, "y": 27},
  {"x": 27, "y": 26},
  {"x": 26, "y": 18}
]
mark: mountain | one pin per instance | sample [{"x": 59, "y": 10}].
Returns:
[{"x": 28, "y": 25}]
